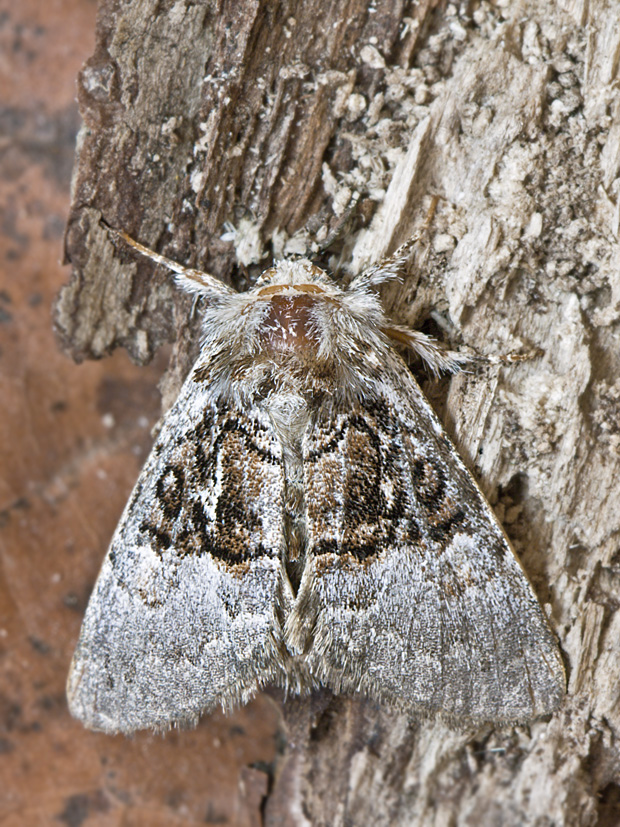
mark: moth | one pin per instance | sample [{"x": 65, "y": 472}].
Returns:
[{"x": 303, "y": 520}]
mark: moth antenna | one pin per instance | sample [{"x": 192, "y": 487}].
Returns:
[
  {"x": 392, "y": 266},
  {"x": 188, "y": 279}
]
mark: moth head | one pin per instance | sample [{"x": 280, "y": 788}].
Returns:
[{"x": 293, "y": 273}]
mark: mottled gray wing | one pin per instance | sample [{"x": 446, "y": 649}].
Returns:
[
  {"x": 183, "y": 615},
  {"x": 411, "y": 593}
]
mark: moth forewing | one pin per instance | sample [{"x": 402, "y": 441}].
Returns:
[
  {"x": 302, "y": 520},
  {"x": 183, "y": 615},
  {"x": 419, "y": 599}
]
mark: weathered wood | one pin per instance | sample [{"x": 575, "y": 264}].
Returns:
[
  {"x": 196, "y": 116},
  {"x": 277, "y": 118}
]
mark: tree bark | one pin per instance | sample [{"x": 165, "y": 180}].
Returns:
[{"x": 306, "y": 123}]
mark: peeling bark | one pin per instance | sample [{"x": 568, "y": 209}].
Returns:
[{"x": 300, "y": 122}]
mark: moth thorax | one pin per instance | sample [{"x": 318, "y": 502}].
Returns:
[{"x": 290, "y": 325}]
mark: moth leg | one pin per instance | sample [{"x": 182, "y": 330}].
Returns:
[
  {"x": 188, "y": 279},
  {"x": 436, "y": 358},
  {"x": 440, "y": 360},
  {"x": 533, "y": 352}
]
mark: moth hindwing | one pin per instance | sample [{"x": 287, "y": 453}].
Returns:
[{"x": 303, "y": 520}]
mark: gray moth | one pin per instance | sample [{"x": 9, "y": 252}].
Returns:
[{"x": 303, "y": 520}]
